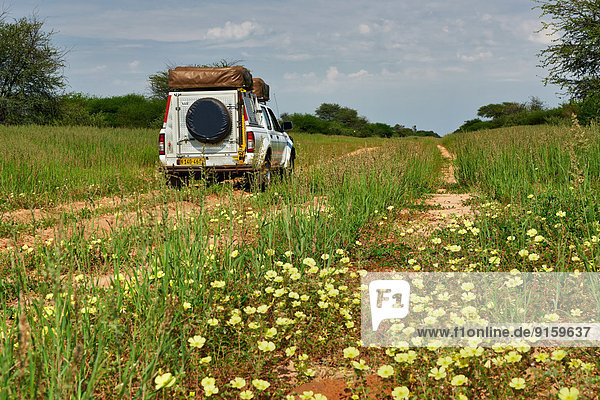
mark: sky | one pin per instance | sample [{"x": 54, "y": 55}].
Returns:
[{"x": 429, "y": 64}]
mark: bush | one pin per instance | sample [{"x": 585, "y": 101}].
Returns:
[
  {"x": 475, "y": 125},
  {"x": 308, "y": 123},
  {"x": 129, "y": 111},
  {"x": 588, "y": 110},
  {"x": 74, "y": 112}
]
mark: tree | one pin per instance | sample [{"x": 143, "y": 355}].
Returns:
[
  {"x": 495, "y": 111},
  {"x": 30, "y": 72},
  {"x": 328, "y": 112},
  {"x": 573, "y": 57},
  {"x": 159, "y": 81},
  {"x": 159, "y": 84}
]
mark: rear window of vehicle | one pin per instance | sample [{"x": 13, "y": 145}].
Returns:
[{"x": 250, "y": 110}]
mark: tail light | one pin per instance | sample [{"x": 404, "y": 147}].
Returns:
[
  {"x": 167, "y": 109},
  {"x": 161, "y": 144},
  {"x": 250, "y": 141}
]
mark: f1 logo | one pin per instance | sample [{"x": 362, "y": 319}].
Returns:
[{"x": 389, "y": 299}]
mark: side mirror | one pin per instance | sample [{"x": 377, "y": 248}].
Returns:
[{"x": 287, "y": 125}]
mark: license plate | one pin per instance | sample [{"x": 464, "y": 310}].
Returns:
[{"x": 191, "y": 161}]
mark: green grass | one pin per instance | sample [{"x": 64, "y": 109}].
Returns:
[
  {"x": 272, "y": 278},
  {"x": 82, "y": 340},
  {"x": 46, "y": 165}
]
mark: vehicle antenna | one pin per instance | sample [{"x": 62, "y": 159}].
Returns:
[{"x": 276, "y": 105}]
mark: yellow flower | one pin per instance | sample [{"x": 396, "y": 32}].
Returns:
[
  {"x": 238, "y": 383},
  {"x": 197, "y": 341},
  {"x": 307, "y": 395},
  {"x": 234, "y": 254},
  {"x": 205, "y": 360},
  {"x": 568, "y": 393},
  {"x": 208, "y": 381},
  {"x": 310, "y": 262},
  {"x": 217, "y": 284},
  {"x": 271, "y": 332},
  {"x": 210, "y": 390},
  {"x": 558, "y": 355},
  {"x": 351, "y": 352},
  {"x": 400, "y": 393},
  {"x": 361, "y": 366},
  {"x": 187, "y": 305},
  {"x": 513, "y": 357},
  {"x": 385, "y": 371},
  {"x": 290, "y": 351},
  {"x": 444, "y": 361},
  {"x": 246, "y": 395},
  {"x": 459, "y": 380},
  {"x": 262, "y": 309},
  {"x": 260, "y": 384},
  {"x": 438, "y": 373},
  {"x": 164, "y": 380},
  {"x": 517, "y": 383},
  {"x": 524, "y": 253},
  {"x": 553, "y": 317},
  {"x": 266, "y": 346}
]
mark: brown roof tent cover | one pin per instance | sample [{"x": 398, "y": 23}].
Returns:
[
  {"x": 260, "y": 88},
  {"x": 210, "y": 78}
]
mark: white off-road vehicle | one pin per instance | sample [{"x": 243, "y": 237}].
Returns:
[{"x": 217, "y": 122}]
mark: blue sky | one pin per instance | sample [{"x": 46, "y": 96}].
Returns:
[{"x": 429, "y": 64}]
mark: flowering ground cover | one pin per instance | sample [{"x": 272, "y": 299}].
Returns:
[{"x": 222, "y": 295}]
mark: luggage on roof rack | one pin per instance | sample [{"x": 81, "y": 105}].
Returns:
[
  {"x": 260, "y": 89},
  {"x": 210, "y": 78}
]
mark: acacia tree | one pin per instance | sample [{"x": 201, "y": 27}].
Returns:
[
  {"x": 30, "y": 72},
  {"x": 158, "y": 82},
  {"x": 573, "y": 57}
]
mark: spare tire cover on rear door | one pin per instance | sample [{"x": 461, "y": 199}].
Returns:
[{"x": 208, "y": 120}]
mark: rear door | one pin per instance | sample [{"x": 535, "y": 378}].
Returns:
[{"x": 187, "y": 145}]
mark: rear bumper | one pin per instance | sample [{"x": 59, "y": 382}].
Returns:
[{"x": 222, "y": 169}]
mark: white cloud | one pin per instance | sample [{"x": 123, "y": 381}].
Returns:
[
  {"x": 134, "y": 64},
  {"x": 332, "y": 73},
  {"x": 290, "y": 76},
  {"x": 364, "y": 29},
  {"x": 475, "y": 57},
  {"x": 233, "y": 31},
  {"x": 545, "y": 36},
  {"x": 359, "y": 74},
  {"x": 295, "y": 57}
]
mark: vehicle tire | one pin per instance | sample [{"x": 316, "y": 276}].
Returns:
[
  {"x": 174, "y": 181},
  {"x": 208, "y": 120},
  {"x": 288, "y": 171},
  {"x": 264, "y": 176}
]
